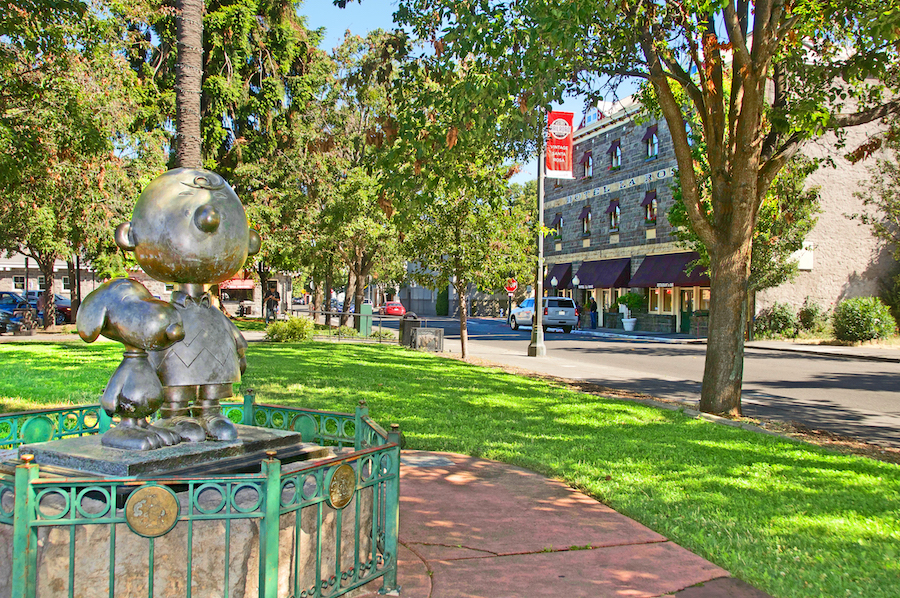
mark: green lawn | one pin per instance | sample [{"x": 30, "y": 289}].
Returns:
[{"x": 792, "y": 519}]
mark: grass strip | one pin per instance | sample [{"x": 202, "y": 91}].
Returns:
[{"x": 789, "y": 518}]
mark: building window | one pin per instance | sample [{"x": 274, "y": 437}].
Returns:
[
  {"x": 19, "y": 283},
  {"x": 42, "y": 284},
  {"x": 662, "y": 301},
  {"x": 589, "y": 167},
  {"x": 614, "y": 213},
  {"x": 650, "y": 206},
  {"x": 585, "y": 221},
  {"x": 556, "y": 224},
  {"x": 704, "y": 299},
  {"x": 67, "y": 286},
  {"x": 170, "y": 288},
  {"x": 651, "y": 142},
  {"x": 615, "y": 154}
]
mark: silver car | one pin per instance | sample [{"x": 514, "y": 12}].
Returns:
[{"x": 559, "y": 312}]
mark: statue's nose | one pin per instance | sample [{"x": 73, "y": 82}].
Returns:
[{"x": 207, "y": 218}]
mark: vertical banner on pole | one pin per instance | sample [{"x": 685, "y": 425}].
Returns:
[{"x": 559, "y": 145}]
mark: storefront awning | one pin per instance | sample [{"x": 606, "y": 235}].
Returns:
[
  {"x": 605, "y": 274},
  {"x": 237, "y": 283},
  {"x": 563, "y": 275},
  {"x": 668, "y": 270}
]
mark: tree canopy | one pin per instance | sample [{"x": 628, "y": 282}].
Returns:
[{"x": 760, "y": 77}]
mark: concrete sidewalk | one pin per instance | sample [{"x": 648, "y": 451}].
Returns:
[{"x": 475, "y": 528}]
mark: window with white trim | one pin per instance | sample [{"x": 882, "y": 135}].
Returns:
[{"x": 19, "y": 283}]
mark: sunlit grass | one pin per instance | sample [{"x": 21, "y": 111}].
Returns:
[{"x": 790, "y": 518}]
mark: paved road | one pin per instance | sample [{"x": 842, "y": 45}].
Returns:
[{"x": 847, "y": 396}]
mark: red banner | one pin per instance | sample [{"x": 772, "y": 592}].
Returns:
[{"x": 559, "y": 145}]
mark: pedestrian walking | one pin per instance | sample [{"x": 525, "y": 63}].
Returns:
[
  {"x": 578, "y": 311},
  {"x": 593, "y": 313},
  {"x": 272, "y": 300}
]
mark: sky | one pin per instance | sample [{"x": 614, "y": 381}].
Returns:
[{"x": 375, "y": 14}]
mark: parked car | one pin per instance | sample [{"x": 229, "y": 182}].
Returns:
[
  {"x": 392, "y": 308},
  {"x": 63, "y": 306},
  {"x": 559, "y": 312},
  {"x": 9, "y": 302}
]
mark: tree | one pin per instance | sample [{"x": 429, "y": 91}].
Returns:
[
  {"x": 762, "y": 77},
  {"x": 69, "y": 159},
  {"x": 786, "y": 216},
  {"x": 461, "y": 239},
  {"x": 882, "y": 193}
]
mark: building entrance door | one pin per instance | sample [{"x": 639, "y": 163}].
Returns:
[{"x": 687, "y": 308}]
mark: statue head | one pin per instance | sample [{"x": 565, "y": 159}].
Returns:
[{"x": 189, "y": 226}]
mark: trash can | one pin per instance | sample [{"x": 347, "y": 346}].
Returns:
[
  {"x": 364, "y": 320},
  {"x": 407, "y": 323}
]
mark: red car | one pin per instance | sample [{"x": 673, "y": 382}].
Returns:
[{"x": 392, "y": 308}]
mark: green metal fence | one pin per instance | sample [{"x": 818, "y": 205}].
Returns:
[{"x": 308, "y": 529}]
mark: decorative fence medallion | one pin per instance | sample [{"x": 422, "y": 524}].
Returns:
[
  {"x": 152, "y": 511},
  {"x": 341, "y": 486}
]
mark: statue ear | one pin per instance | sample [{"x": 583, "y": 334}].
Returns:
[
  {"x": 255, "y": 243},
  {"x": 91, "y": 316},
  {"x": 124, "y": 238}
]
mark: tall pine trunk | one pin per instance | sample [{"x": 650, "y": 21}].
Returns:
[{"x": 188, "y": 81}]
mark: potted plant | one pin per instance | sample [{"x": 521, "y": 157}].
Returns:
[{"x": 633, "y": 302}]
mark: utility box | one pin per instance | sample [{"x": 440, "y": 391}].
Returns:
[
  {"x": 428, "y": 339},
  {"x": 408, "y": 323},
  {"x": 364, "y": 320}
]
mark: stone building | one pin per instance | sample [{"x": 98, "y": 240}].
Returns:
[{"x": 612, "y": 234}]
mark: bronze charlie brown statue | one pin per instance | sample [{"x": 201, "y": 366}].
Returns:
[{"x": 189, "y": 229}]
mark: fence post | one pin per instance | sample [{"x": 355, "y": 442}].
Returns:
[
  {"x": 24, "y": 569},
  {"x": 104, "y": 422},
  {"x": 249, "y": 401},
  {"x": 392, "y": 519},
  {"x": 362, "y": 410},
  {"x": 268, "y": 529}
]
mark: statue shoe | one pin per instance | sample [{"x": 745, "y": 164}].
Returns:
[
  {"x": 219, "y": 427},
  {"x": 186, "y": 427}
]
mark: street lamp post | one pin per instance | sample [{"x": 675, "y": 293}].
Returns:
[
  {"x": 575, "y": 282},
  {"x": 537, "y": 348},
  {"x": 553, "y": 283}
]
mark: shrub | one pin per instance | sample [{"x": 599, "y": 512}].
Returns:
[
  {"x": 812, "y": 316},
  {"x": 776, "y": 320},
  {"x": 292, "y": 329},
  {"x": 383, "y": 334},
  {"x": 890, "y": 294},
  {"x": 442, "y": 304},
  {"x": 345, "y": 331},
  {"x": 635, "y": 302},
  {"x": 862, "y": 319}
]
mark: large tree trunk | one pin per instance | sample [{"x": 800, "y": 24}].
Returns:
[
  {"x": 348, "y": 293},
  {"x": 49, "y": 299},
  {"x": 74, "y": 287},
  {"x": 723, "y": 374},
  {"x": 328, "y": 284},
  {"x": 188, "y": 81}
]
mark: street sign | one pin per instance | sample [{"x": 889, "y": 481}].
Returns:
[{"x": 511, "y": 285}]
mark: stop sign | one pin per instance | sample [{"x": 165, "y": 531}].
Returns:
[{"x": 511, "y": 285}]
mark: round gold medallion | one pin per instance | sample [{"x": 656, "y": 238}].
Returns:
[
  {"x": 152, "y": 511},
  {"x": 341, "y": 486}
]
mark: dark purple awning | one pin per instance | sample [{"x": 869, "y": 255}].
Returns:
[
  {"x": 563, "y": 275},
  {"x": 613, "y": 204},
  {"x": 651, "y": 131},
  {"x": 585, "y": 212},
  {"x": 613, "y": 146},
  {"x": 648, "y": 198},
  {"x": 669, "y": 269},
  {"x": 605, "y": 274},
  {"x": 585, "y": 157},
  {"x": 556, "y": 220}
]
